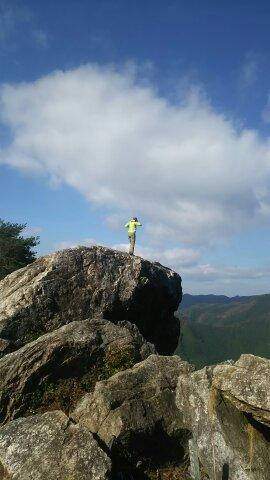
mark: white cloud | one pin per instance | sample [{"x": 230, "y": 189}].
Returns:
[
  {"x": 87, "y": 242},
  {"x": 176, "y": 258},
  {"x": 224, "y": 279},
  {"x": 187, "y": 171},
  {"x": 208, "y": 272},
  {"x": 115, "y": 221},
  {"x": 250, "y": 70}
]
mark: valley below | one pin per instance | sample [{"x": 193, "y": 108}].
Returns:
[{"x": 218, "y": 328}]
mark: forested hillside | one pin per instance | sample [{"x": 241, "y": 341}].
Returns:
[{"x": 212, "y": 333}]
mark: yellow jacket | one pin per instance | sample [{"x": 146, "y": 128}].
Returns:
[{"x": 132, "y": 226}]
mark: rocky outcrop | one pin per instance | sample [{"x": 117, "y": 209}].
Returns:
[
  {"x": 81, "y": 283},
  {"x": 227, "y": 407},
  {"x": 246, "y": 384},
  {"x": 50, "y": 447},
  {"x": 135, "y": 414},
  {"x": 56, "y": 369},
  {"x": 95, "y": 399}
]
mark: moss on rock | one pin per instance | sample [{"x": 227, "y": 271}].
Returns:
[{"x": 64, "y": 393}]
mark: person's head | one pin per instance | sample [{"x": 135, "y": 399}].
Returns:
[{"x": 135, "y": 219}]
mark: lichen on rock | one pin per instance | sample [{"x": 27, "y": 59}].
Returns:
[{"x": 49, "y": 447}]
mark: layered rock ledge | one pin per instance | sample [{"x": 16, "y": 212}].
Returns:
[
  {"x": 227, "y": 409},
  {"x": 55, "y": 370},
  {"x": 81, "y": 283}
]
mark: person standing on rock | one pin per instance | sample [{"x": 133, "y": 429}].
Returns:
[{"x": 132, "y": 227}]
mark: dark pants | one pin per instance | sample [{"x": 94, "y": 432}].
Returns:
[{"x": 132, "y": 240}]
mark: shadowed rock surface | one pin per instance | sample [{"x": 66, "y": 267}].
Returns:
[
  {"x": 134, "y": 413},
  {"x": 49, "y": 447},
  {"x": 59, "y": 367},
  {"x": 227, "y": 408},
  {"x": 80, "y": 283}
]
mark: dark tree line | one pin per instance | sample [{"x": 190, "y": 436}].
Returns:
[{"x": 16, "y": 251}]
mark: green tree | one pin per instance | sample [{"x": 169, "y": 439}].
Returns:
[{"x": 15, "y": 249}]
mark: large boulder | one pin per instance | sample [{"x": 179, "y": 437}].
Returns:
[
  {"x": 56, "y": 369},
  {"x": 49, "y": 447},
  {"x": 246, "y": 384},
  {"x": 80, "y": 283},
  {"x": 227, "y": 407},
  {"x": 134, "y": 413}
]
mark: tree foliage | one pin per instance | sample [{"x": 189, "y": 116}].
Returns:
[{"x": 16, "y": 251}]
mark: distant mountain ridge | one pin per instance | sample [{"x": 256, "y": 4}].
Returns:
[
  {"x": 212, "y": 331},
  {"x": 189, "y": 300}
]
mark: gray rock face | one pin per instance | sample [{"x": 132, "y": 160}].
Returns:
[
  {"x": 49, "y": 447},
  {"x": 58, "y": 367},
  {"x": 81, "y": 283},
  {"x": 246, "y": 384},
  {"x": 227, "y": 409},
  {"x": 134, "y": 411}
]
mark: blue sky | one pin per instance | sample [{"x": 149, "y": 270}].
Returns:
[{"x": 160, "y": 109}]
